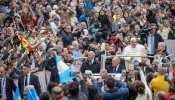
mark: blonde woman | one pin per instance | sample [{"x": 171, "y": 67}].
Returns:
[{"x": 26, "y": 15}]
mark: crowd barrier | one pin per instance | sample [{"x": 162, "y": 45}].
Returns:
[{"x": 170, "y": 46}]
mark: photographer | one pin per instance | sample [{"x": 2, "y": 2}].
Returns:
[
  {"x": 153, "y": 38},
  {"x": 145, "y": 65}
]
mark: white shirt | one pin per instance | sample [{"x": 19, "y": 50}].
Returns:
[
  {"x": 106, "y": 52},
  {"x": 28, "y": 79},
  {"x": 3, "y": 89},
  {"x": 116, "y": 68}
]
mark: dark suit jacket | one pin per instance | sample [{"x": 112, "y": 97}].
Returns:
[
  {"x": 110, "y": 69},
  {"x": 99, "y": 55},
  {"x": 33, "y": 81},
  {"x": 10, "y": 88},
  {"x": 54, "y": 75},
  {"x": 95, "y": 68},
  {"x": 157, "y": 38}
]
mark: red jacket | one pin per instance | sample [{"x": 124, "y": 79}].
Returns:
[{"x": 169, "y": 95}]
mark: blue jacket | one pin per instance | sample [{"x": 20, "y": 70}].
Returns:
[
  {"x": 121, "y": 92},
  {"x": 88, "y": 5},
  {"x": 83, "y": 18}
]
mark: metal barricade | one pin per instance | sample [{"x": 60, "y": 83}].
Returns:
[
  {"x": 170, "y": 47},
  {"x": 104, "y": 57}
]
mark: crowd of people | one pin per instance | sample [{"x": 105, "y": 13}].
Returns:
[{"x": 80, "y": 32}]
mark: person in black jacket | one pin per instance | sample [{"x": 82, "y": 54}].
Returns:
[
  {"x": 54, "y": 75},
  {"x": 74, "y": 89},
  {"x": 171, "y": 34},
  {"x": 115, "y": 67},
  {"x": 28, "y": 78},
  {"x": 51, "y": 61},
  {"x": 10, "y": 18},
  {"x": 91, "y": 64},
  {"x": 103, "y": 18},
  {"x": 68, "y": 36},
  {"x": 153, "y": 38},
  {"x": 145, "y": 65},
  {"x": 7, "y": 86},
  {"x": 79, "y": 10}
]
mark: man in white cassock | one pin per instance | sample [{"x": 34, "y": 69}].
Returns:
[{"x": 133, "y": 49}]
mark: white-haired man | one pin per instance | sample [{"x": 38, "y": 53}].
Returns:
[
  {"x": 133, "y": 49},
  {"x": 91, "y": 64}
]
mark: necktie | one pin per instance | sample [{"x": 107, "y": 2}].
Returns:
[
  {"x": 90, "y": 63},
  {"x": 106, "y": 53},
  {"x": 0, "y": 87},
  {"x": 26, "y": 80},
  {"x": 114, "y": 70}
]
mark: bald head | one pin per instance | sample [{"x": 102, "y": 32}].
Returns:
[
  {"x": 133, "y": 42},
  {"x": 91, "y": 55},
  {"x": 160, "y": 95},
  {"x": 115, "y": 61},
  {"x": 56, "y": 91},
  {"x": 144, "y": 58}
]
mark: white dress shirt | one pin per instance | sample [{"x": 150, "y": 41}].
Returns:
[{"x": 3, "y": 89}]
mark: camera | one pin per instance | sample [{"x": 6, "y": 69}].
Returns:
[{"x": 145, "y": 30}]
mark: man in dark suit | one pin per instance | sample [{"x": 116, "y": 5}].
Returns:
[
  {"x": 91, "y": 64},
  {"x": 28, "y": 78},
  {"x": 115, "y": 67},
  {"x": 104, "y": 52},
  {"x": 153, "y": 38},
  {"x": 7, "y": 85},
  {"x": 54, "y": 75}
]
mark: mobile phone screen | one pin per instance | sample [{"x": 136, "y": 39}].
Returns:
[
  {"x": 166, "y": 76},
  {"x": 166, "y": 65},
  {"x": 123, "y": 73},
  {"x": 136, "y": 64}
]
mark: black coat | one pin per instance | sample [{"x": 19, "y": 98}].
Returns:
[
  {"x": 33, "y": 81},
  {"x": 51, "y": 63},
  {"x": 110, "y": 69},
  {"x": 10, "y": 88},
  {"x": 99, "y": 55},
  {"x": 95, "y": 68},
  {"x": 54, "y": 75}
]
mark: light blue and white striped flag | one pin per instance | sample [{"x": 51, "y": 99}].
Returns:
[
  {"x": 32, "y": 95},
  {"x": 17, "y": 94},
  {"x": 63, "y": 70}
]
